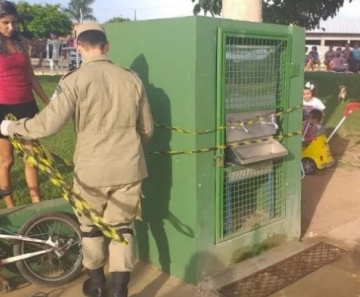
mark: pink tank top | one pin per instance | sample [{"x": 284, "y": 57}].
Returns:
[
  {"x": 338, "y": 63},
  {"x": 15, "y": 84}
]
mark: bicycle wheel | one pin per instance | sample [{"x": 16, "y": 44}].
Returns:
[{"x": 51, "y": 269}]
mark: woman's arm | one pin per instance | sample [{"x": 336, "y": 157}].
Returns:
[
  {"x": 33, "y": 79},
  {"x": 37, "y": 87}
]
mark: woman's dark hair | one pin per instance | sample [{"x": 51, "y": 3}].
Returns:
[
  {"x": 312, "y": 87},
  {"x": 9, "y": 8}
]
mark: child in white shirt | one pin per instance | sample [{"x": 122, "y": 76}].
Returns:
[{"x": 311, "y": 102}]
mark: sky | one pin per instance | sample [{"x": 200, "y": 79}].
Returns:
[{"x": 152, "y": 9}]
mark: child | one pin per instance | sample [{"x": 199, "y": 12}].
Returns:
[
  {"x": 314, "y": 54},
  {"x": 310, "y": 102},
  {"x": 312, "y": 128},
  {"x": 329, "y": 56},
  {"x": 308, "y": 60},
  {"x": 346, "y": 52},
  {"x": 338, "y": 63}
]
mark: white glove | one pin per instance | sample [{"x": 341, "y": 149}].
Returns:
[{"x": 4, "y": 127}]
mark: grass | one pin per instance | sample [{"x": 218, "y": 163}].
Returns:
[
  {"x": 61, "y": 144},
  {"x": 344, "y": 145},
  {"x": 327, "y": 84}
]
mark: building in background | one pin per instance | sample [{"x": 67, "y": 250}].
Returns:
[{"x": 336, "y": 32}]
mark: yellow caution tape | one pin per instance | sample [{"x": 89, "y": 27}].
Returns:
[
  {"x": 41, "y": 158},
  {"x": 222, "y": 147},
  {"x": 235, "y": 124},
  {"x": 46, "y": 161}
]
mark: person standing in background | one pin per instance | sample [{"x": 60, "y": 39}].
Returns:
[
  {"x": 111, "y": 113},
  {"x": 17, "y": 83}
]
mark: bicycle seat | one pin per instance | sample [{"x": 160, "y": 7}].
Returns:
[{"x": 4, "y": 193}]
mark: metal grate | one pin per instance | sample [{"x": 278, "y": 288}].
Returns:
[
  {"x": 285, "y": 273},
  {"x": 254, "y": 73},
  {"x": 255, "y": 79},
  {"x": 253, "y": 196}
]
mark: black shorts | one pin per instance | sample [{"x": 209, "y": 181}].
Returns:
[{"x": 20, "y": 111}]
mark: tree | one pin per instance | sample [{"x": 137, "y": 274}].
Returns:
[
  {"x": 303, "y": 13},
  {"x": 117, "y": 20},
  {"x": 80, "y": 10},
  {"x": 37, "y": 21}
]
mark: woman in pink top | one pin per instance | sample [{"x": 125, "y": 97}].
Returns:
[
  {"x": 17, "y": 82},
  {"x": 338, "y": 63}
]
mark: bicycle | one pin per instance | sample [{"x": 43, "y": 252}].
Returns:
[{"x": 52, "y": 246}]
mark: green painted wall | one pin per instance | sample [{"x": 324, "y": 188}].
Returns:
[
  {"x": 163, "y": 54},
  {"x": 176, "y": 59},
  {"x": 214, "y": 258}
]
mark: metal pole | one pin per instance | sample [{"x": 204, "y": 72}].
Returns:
[
  {"x": 306, "y": 128},
  {"x": 244, "y": 10},
  {"x": 336, "y": 128}
]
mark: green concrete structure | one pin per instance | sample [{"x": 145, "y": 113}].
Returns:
[
  {"x": 203, "y": 211},
  {"x": 197, "y": 71}
]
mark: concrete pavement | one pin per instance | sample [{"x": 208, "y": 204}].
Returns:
[
  {"x": 339, "y": 279},
  {"x": 146, "y": 282}
]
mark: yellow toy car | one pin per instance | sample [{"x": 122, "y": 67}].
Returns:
[{"x": 316, "y": 155}]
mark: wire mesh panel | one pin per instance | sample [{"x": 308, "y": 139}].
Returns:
[
  {"x": 253, "y": 196},
  {"x": 254, "y": 79},
  {"x": 254, "y": 73}
]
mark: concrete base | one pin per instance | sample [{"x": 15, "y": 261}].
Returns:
[
  {"x": 340, "y": 278},
  {"x": 251, "y": 266}
]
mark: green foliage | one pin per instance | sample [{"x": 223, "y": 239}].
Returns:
[
  {"x": 303, "y": 13},
  {"x": 211, "y": 6},
  {"x": 117, "y": 20},
  {"x": 80, "y": 10},
  {"x": 37, "y": 21}
]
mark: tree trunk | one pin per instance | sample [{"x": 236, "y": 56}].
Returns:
[
  {"x": 244, "y": 10},
  {"x": 81, "y": 16}
]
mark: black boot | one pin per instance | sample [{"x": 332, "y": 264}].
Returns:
[
  {"x": 95, "y": 286},
  {"x": 119, "y": 285}
]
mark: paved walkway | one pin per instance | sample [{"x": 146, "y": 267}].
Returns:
[
  {"x": 146, "y": 282},
  {"x": 339, "y": 279}
]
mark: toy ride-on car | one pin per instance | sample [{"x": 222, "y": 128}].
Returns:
[
  {"x": 316, "y": 155},
  {"x": 316, "y": 152}
]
